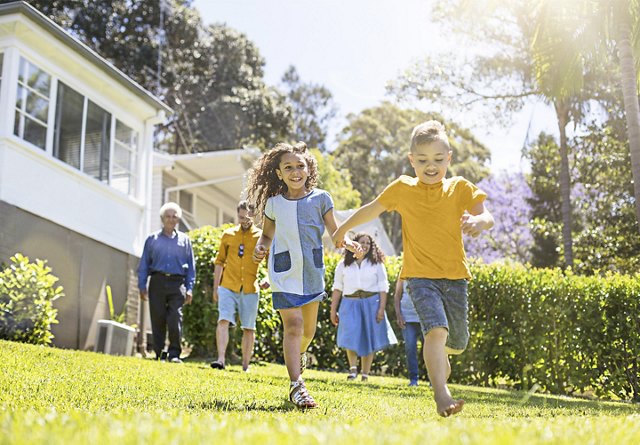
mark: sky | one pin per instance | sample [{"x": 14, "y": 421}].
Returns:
[{"x": 354, "y": 47}]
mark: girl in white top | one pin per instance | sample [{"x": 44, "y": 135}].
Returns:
[
  {"x": 363, "y": 327},
  {"x": 282, "y": 184}
]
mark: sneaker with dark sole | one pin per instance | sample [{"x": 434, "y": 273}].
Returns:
[{"x": 217, "y": 365}]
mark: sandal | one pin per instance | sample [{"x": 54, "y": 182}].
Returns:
[
  {"x": 217, "y": 365},
  {"x": 300, "y": 397},
  {"x": 303, "y": 362},
  {"x": 353, "y": 373},
  {"x": 365, "y": 377}
]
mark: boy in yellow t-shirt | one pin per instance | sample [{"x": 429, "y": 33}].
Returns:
[{"x": 435, "y": 213}]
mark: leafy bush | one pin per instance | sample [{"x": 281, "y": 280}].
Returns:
[
  {"x": 27, "y": 293},
  {"x": 565, "y": 333}
]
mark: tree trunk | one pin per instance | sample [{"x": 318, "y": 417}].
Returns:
[
  {"x": 562, "y": 112},
  {"x": 631, "y": 107}
]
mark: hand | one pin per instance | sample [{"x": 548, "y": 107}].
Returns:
[
  {"x": 338, "y": 239},
  {"x": 471, "y": 225},
  {"x": 264, "y": 284},
  {"x": 189, "y": 297},
  {"x": 401, "y": 323},
  {"x": 354, "y": 247},
  {"x": 144, "y": 295},
  {"x": 380, "y": 315},
  {"x": 335, "y": 318},
  {"x": 259, "y": 253},
  {"x": 215, "y": 295}
]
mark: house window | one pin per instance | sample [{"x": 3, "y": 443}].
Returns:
[
  {"x": 67, "y": 139},
  {"x": 97, "y": 141},
  {"x": 124, "y": 159},
  {"x": 82, "y": 138},
  {"x": 32, "y": 104}
]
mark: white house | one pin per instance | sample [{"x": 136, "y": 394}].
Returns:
[
  {"x": 207, "y": 186},
  {"x": 76, "y": 167}
]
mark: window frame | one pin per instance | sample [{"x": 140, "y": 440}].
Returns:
[{"x": 11, "y": 66}]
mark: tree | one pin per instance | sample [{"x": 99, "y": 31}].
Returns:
[
  {"x": 510, "y": 238},
  {"x": 374, "y": 146},
  {"x": 313, "y": 109},
  {"x": 519, "y": 61},
  {"x": 336, "y": 181},
  {"x": 211, "y": 76},
  {"x": 601, "y": 24}
]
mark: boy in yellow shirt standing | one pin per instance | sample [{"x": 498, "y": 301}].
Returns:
[{"x": 435, "y": 212}]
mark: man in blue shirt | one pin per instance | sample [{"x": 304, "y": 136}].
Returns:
[{"x": 168, "y": 259}]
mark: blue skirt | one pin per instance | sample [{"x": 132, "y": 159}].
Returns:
[
  {"x": 285, "y": 300},
  {"x": 358, "y": 329}
]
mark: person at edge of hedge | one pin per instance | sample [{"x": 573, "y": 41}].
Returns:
[
  {"x": 435, "y": 212},
  {"x": 409, "y": 322},
  {"x": 360, "y": 291},
  {"x": 282, "y": 183},
  {"x": 235, "y": 285},
  {"x": 167, "y": 258}
]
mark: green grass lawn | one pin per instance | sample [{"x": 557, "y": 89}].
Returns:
[{"x": 54, "y": 396}]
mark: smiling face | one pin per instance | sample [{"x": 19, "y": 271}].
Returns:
[
  {"x": 365, "y": 242},
  {"x": 430, "y": 161},
  {"x": 170, "y": 220},
  {"x": 245, "y": 218},
  {"x": 293, "y": 170}
]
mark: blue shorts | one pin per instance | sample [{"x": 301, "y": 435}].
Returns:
[
  {"x": 442, "y": 303},
  {"x": 245, "y": 305}
]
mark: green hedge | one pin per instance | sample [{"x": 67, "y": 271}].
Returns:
[
  {"x": 27, "y": 292},
  {"x": 567, "y": 334}
]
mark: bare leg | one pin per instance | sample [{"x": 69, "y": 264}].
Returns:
[
  {"x": 352, "y": 358},
  {"x": 248, "y": 339},
  {"x": 222, "y": 339},
  {"x": 439, "y": 368},
  {"x": 310, "y": 319},
  {"x": 366, "y": 361},
  {"x": 292, "y": 341}
]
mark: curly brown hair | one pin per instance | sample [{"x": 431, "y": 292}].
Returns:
[
  {"x": 263, "y": 182},
  {"x": 374, "y": 255}
]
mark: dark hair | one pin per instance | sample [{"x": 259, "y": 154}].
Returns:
[
  {"x": 246, "y": 205},
  {"x": 427, "y": 132},
  {"x": 374, "y": 255},
  {"x": 263, "y": 180}
]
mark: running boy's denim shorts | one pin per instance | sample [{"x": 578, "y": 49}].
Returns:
[{"x": 442, "y": 303}]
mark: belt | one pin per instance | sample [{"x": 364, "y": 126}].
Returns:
[
  {"x": 169, "y": 275},
  {"x": 361, "y": 294}
]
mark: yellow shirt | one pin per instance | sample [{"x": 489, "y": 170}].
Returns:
[
  {"x": 240, "y": 272},
  {"x": 431, "y": 233}
]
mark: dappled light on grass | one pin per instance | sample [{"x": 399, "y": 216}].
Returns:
[{"x": 59, "y": 396}]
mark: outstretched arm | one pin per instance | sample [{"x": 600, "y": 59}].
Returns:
[
  {"x": 331, "y": 225},
  {"x": 477, "y": 220},
  {"x": 362, "y": 215}
]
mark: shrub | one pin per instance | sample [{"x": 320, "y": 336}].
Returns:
[{"x": 27, "y": 293}]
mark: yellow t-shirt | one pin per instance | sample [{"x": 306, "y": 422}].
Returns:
[
  {"x": 431, "y": 233},
  {"x": 240, "y": 272}
]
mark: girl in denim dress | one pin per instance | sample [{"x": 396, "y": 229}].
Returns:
[{"x": 282, "y": 185}]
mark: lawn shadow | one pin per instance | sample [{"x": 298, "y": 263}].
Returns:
[
  {"x": 231, "y": 406},
  {"x": 516, "y": 399}
]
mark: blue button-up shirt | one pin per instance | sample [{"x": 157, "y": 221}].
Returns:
[{"x": 165, "y": 254}]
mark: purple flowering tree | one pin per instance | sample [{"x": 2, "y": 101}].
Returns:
[{"x": 510, "y": 238}]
